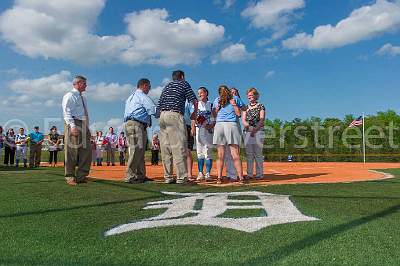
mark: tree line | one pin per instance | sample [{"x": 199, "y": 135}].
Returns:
[{"x": 331, "y": 139}]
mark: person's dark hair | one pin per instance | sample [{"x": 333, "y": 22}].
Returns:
[
  {"x": 9, "y": 131},
  {"x": 142, "y": 82},
  {"x": 224, "y": 95},
  {"x": 53, "y": 127},
  {"x": 204, "y": 89},
  {"x": 178, "y": 75}
]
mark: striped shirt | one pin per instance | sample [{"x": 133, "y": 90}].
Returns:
[{"x": 174, "y": 95}]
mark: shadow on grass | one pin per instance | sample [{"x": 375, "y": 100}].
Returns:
[
  {"x": 312, "y": 240},
  {"x": 279, "y": 177},
  {"x": 139, "y": 187},
  {"x": 20, "y": 169},
  {"x": 37, "y": 182},
  {"x": 344, "y": 197},
  {"x": 103, "y": 204}
]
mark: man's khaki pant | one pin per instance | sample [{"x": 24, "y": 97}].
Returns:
[
  {"x": 78, "y": 152},
  {"x": 136, "y": 137},
  {"x": 173, "y": 140},
  {"x": 110, "y": 154},
  {"x": 35, "y": 155}
]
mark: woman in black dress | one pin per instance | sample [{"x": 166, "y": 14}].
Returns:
[{"x": 54, "y": 141}]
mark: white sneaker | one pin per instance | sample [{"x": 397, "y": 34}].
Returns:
[
  {"x": 200, "y": 176},
  {"x": 208, "y": 177}
]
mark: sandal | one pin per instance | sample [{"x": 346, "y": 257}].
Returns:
[
  {"x": 219, "y": 180},
  {"x": 242, "y": 181}
]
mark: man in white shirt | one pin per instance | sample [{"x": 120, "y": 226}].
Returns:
[{"x": 77, "y": 133}]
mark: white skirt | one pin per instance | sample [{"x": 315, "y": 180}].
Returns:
[{"x": 227, "y": 133}]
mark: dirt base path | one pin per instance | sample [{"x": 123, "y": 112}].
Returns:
[{"x": 274, "y": 173}]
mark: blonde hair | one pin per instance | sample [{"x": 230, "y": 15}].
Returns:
[
  {"x": 254, "y": 91},
  {"x": 224, "y": 95}
]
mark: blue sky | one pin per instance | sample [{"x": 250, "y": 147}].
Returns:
[{"x": 307, "y": 58}]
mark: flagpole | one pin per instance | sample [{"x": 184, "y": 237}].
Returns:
[{"x": 363, "y": 136}]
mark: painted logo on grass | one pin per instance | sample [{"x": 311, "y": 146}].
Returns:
[{"x": 220, "y": 209}]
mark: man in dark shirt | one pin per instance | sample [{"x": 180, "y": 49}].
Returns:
[{"x": 173, "y": 135}]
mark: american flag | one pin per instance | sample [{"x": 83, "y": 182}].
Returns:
[{"x": 356, "y": 122}]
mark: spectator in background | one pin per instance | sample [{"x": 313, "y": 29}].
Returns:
[
  {"x": 2, "y": 137},
  {"x": 155, "y": 149},
  {"x": 9, "y": 147},
  {"x": 100, "y": 142},
  {"x": 111, "y": 147},
  {"x": 21, "y": 141},
  {"x": 122, "y": 146},
  {"x": 36, "y": 139},
  {"x": 54, "y": 142},
  {"x": 94, "y": 150},
  {"x": 253, "y": 121}
]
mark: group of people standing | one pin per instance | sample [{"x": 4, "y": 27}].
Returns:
[
  {"x": 183, "y": 119},
  {"x": 109, "y": 144},
  {"x": 16, "y": 147}
]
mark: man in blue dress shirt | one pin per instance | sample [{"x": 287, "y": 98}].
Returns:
[
  {"x": 36, "y": 141},
  {"x": 138, "y": 110}
]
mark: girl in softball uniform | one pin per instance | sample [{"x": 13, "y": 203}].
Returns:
[
  {"x": 21, "y": 141},
  {"x": 204, "y": 134}
]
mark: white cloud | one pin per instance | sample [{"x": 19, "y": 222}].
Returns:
[
  {"x": 54, "y": 85},
  {"x": 233, "y": 54},
  {"x": 363, "y": 23},
  {"x": 116, "y": 123},
  {"x": 159, "y": 41},
  {"x": 269, "y": 74},
  {"x": 64, "y": 30},
  {"x": 41, "y": 93},
  {"x": 389, "y": 49},
  {"x": 59, "y": 29},
  {"x": 111, "y": 92},
  {"x": 275, "y": 15},
  {"x": 226, "y": 4}
]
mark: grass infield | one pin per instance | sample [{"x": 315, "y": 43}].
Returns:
[{"x": 45, "y": 222}]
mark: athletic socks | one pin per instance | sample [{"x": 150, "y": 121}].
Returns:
[
  {"x": 208, "y": 165},
  {"x": 201, "y": 165}
]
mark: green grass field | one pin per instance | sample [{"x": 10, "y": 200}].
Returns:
[{"x": 45, "y": 222}]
